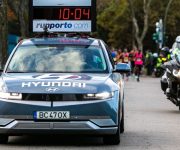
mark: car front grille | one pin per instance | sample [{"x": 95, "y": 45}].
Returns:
[{"x": 52, "y": 97}]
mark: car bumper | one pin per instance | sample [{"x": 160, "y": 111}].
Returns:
[{"x": 20, "y": 127}]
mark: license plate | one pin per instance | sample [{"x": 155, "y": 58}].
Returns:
[{"x": 43, "y": 115}]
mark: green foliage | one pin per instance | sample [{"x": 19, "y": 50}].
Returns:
[
  {"x": 114, "y": 21},
  {"x": 115, "y": 25}
]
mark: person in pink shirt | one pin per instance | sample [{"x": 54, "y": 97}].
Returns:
[{"x": 138, "y": 64}]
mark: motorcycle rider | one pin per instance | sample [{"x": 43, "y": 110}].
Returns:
[
  {"x": 176, "y": 47},
  {"x": 164, "y": 56},
  {"x": 168, "y": 85}
]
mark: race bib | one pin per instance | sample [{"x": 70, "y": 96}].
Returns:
[{"x": 126, "y": 59}]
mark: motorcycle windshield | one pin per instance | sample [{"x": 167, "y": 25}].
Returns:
[{"x": 178, "y": 57}]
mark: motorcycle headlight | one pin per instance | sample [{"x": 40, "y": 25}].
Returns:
[
  {"x": 99, "y": 96},
  {"x": 176, "y": 73},
  {"x": 5, "y": 95}
]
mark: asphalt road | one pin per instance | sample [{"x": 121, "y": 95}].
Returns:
[{"x": 151, "y": 122}]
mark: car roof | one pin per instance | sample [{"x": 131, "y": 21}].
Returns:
[{"x": 61, "y": 41}]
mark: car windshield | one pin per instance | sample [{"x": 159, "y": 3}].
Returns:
[{"x": 57, "y": 58}]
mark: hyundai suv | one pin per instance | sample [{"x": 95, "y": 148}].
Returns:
[{"x": 62, "y": 85}]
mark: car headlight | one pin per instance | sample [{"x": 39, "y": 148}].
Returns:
[
  {"x": 5, "y": 95},
  {"x": 11, "y": 96},
  {"x": 101, "y": 96}
]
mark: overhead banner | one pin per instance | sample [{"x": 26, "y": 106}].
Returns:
[{"x": 63, "y": 15}]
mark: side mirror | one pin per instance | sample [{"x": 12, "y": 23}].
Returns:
[{"x": 122, "y": 68}]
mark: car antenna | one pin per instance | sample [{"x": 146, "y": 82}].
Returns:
[{"x": 46, "y": 33}]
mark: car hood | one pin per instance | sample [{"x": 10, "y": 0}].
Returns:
[{"x": 57, "y": 83}]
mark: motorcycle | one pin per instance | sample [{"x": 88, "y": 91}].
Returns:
[{"x": 170, "y": 81}]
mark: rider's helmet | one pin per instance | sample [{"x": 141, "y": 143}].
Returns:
[
  {"x": 178, "y": 39},
  {"x": 175, "y": 48},
  {"x": 176, "y": 44}
]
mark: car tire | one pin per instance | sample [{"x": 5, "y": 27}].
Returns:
[
  {"x": 3, "y": 139},
  {"x": 122, "y": 121},
  {"x": 112, "y": 139}
]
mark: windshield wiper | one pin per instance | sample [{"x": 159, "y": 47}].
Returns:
[{"x": 17, "y": 72}]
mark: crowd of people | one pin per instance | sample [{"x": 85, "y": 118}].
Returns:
[
  {"x": 134, "y": 58},
  {"x": 149, "y": 62}
]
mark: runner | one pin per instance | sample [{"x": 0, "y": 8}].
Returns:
[
  {"x": 138, "y": 64},
  {"x": 119, "y": 56}
]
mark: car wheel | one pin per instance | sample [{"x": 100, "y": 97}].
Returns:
[
  {"x": 122, "y": 121},
  {"x": 112, "y": 139},
  {"x": 3, "y": 139}
]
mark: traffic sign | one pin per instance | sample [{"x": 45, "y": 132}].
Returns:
[
  {"x": 155, "y": 36},
  {"x": 159, "y": 35}
]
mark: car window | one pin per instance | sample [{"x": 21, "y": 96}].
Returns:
[{"x": 57, "y": 58}]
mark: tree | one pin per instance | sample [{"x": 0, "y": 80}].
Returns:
[
  {"x": 113, "y": 23},
  {"x": 117, "y": 26},
  {"x": 4, "y": 32},
  {"x": 140, "y": 34},
  {"x": 172, "y": 21},
  {"x": 21, "y": 9},
  {"x": 102, "y": 4}
]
